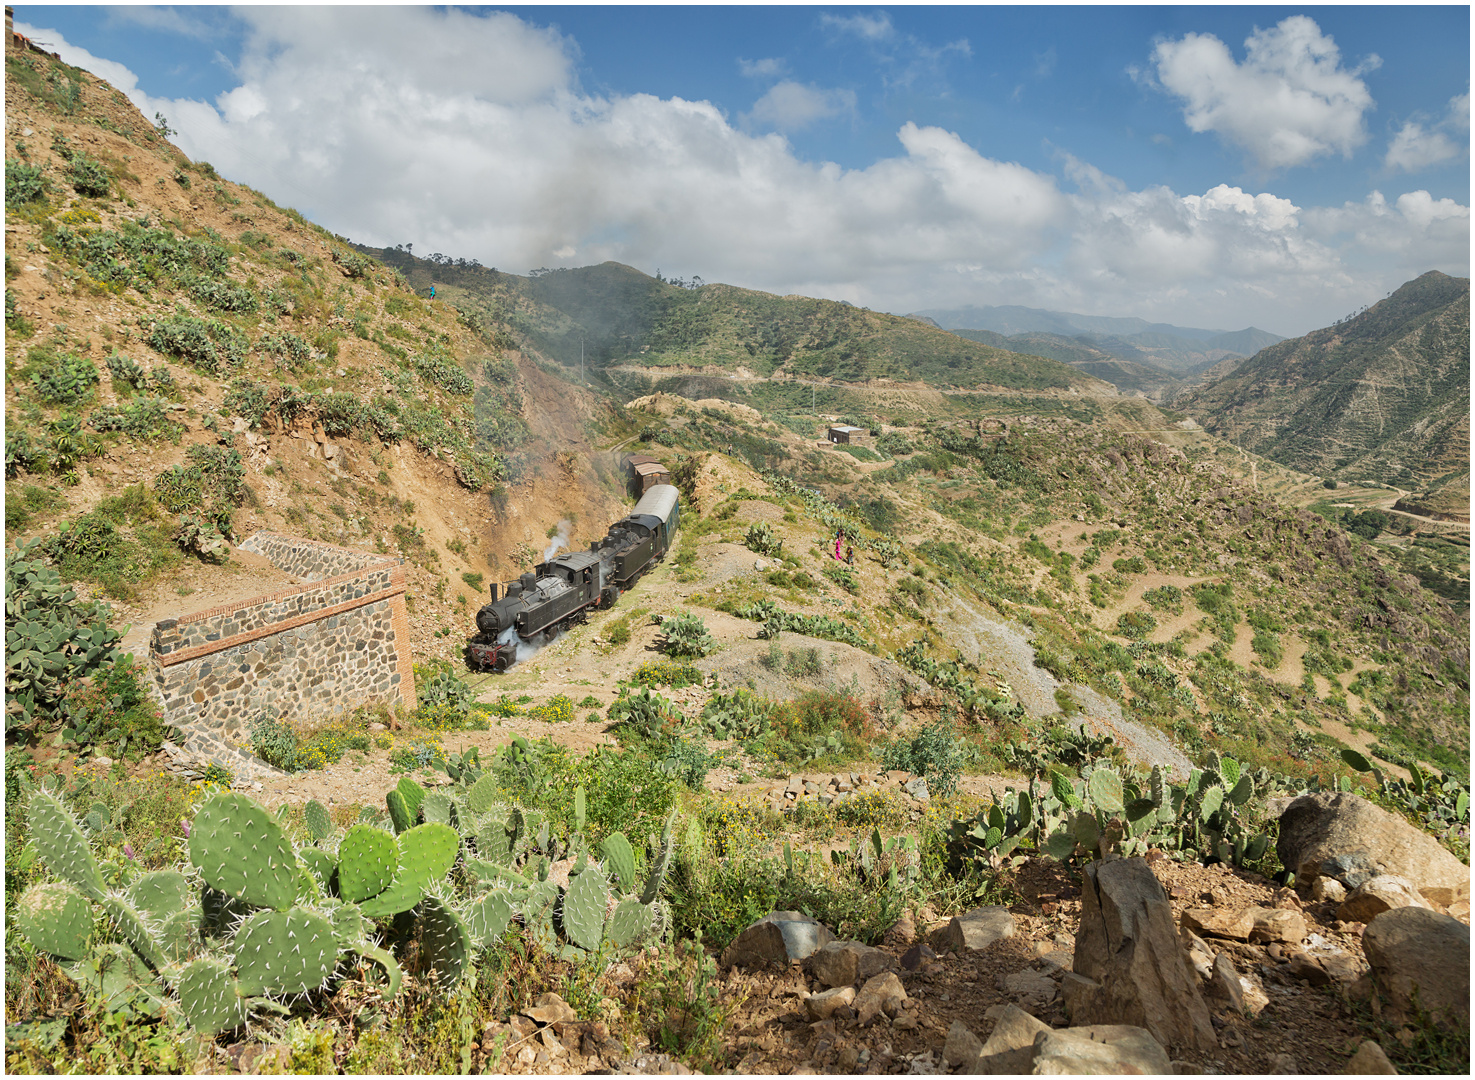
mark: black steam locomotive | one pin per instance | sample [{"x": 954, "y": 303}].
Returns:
[{"x": 560, "y": 592}]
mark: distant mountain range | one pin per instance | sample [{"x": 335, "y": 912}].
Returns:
[
  {"x": 1382, "y": 396},
  {"x": 1132, "y": 353}
]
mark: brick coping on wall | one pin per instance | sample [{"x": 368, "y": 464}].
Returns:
[
  {"x": 372, "y": 562},
  {"x": 396, "y": 588}
]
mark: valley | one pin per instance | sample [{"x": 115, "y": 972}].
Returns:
[{"x": 1056, "y": 580}]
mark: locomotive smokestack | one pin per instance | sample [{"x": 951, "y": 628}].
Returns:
[{"x": 494, "y": 592}]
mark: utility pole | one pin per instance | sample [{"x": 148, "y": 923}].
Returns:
[{"x": 581, "y": 358}]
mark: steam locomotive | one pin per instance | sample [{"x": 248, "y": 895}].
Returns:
[{"x": 561, "y": 592}]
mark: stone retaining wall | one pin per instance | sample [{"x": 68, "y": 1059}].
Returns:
[{"x": 304, "y": 653}]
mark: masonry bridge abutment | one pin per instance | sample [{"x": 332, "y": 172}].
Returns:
[{"x": 337, "y": 641}]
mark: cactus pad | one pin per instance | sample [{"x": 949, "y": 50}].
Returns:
[
  {"x": 399, "y": 813},
  {"x": 1242, "y": 790},
  {"x": 242, "y": 851},
  {"x": 489, "y": 916},
  {"x": 436, "y": 807},
  {"x": 1210, "y": 802},
  {"x": 179, "y": 934},
  {"x": 211, "y": 997},
  {"x": 116, "y": 974},
  {"x": 367, "y": 860},
  {"x": 129, "y": 922},
  {"x": 161, "y": 893},
  {"x": 583, "y": 908},
  {"x": 349, "y": 925},
  {"x": 56, "y": 919},
  {"x": 390, "y": 966},
  {"x": 482, "y": 795},
  {"x": 444, "y": 943},
  {"x": 620, "y": 857},
  {"x": 285, "y": 952},
  {"x": 630, "y": 922},
  {"x": 61, "y": 845},
  {"x": 657, "y": 877},
  {"x": 319, "y": 822},
  {"x": 1105, "y": 787},
  {"x": 426, "y": 854},
  {"x": 320, "y": 864},
  {"x": 492, "y": 842}
]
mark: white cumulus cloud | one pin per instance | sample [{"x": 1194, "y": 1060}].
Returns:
[
  {"x": 789, "y": 106},
  {"x": 468, "y": 135},
  {"x": 1290, "y": 101},
  {"x": 1416, "y": 148}
]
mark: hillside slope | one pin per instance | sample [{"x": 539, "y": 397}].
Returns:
[
  {"x": 162, "y": 318},
  {"x": 613, "y": 314},
  {"x": 1384, "y": 396}
]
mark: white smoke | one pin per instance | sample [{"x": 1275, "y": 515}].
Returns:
[
  {"x": 523, "y": 650},
  {"x": 559, "y": 541}
]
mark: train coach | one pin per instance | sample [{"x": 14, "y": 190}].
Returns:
[{"x": 560, "y": 593}]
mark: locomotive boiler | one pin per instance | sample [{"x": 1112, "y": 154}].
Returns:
[{"x": 561, "y": 592}]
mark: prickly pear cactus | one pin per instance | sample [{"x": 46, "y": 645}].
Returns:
[
  {"x": 399, "y": 813},
  {"x": 426, "y": 854},
  {"x": 436, "y": 807},
  {"x": 445, "y": 944},
  {"x": 657, "y": 877},
  {"x": 583, "y": 908},
  {"x": 319, "y": 822},
  {"x": 367, "y": 861},
  {"x": 489, "y": 916},
  {"x": 61, "y": 845},
  {"x": 492, "y": 841},
  {"x": 242, "y": 851},
  {"x": 482, "y": 795},
  {"x": 1105, "y": 787},
  {"x": 161, "y": 893},
  {"x": 56, "y": 919},
  {"x": 284, "y": 952},
  {"x": 129, "y": 922},
  {"x": 631, "y": 921},
  {"x": 620, "y": 857},
  {"x": 211, "y": 996},
  {"x": 320, "y": 864},
  {"x": 413, "y": 794}
]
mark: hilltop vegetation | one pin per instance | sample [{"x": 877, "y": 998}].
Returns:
[{"x": 1382, "y": 396}]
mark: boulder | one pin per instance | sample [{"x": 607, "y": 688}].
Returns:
[
  {"x": 823, "y": 1005},
  {"x": 1369, "y": 1061},
  {"x": 1105, "y": 1050},
  {"x": 1246, "y": 924},
  {"x": 962, "y": 1047},
  {"x": 844, "y": 963},
  {"x": 882, "y": 993},
  {"x": 1343, "y": 836},
  {"x": 1029, "y": 983},
  {"x": 1413, "y": 950},
  {"x": 1011, "y": 1046},
  {"x": 1224, "y": 983},
  {"x": 1129, "y": 965},
  {"x": 780, "y": 937},
  {"x": 980, "y": 928},
  {"x": 1277, "y": 924},
  {"x": 1377, "y": 895}
]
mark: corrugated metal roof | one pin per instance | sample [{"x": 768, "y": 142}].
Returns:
[{"x": 654, "y": 468}]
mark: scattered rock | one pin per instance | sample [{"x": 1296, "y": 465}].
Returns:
[
  {"x": 1224, "y": 982},
  {"x": 1370, "y": 1061},
  {"x": 1277, "y": 924},
  {"x": 1010, "y": 1048},
  {"x": 1377, "y": 895},
  {"x": 1200, "y": 956},
  {"x": 780, "y": 937},
  {"x": 902, "y": 931},
  {"x": 980, "y": 928},
  {"x": 1028, "y": 983},
  {"x": 551, "y": 1009},
  {"x": 1308, "y": 970},
  {"x": 1283, "y": 1065},
  {"x": 882, "y": 993},
  {"x": 1107, "y": 1049},
  {"x": 844, "y": 963},
  {"x": 823, "y": 1005},
  {"x": 1415, "y": 949},
  {"x": 1328, "y": 889},
  {"x": 912, "y": 959},
  {"x": 1341, "y": 835},
  {"x": 962, "y": 1047},
  {"x": 1247, "y": 923},
  {"x": 1129, "y": 966}
]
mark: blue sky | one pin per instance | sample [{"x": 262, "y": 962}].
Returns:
[{"x": 1218, "y": 167}]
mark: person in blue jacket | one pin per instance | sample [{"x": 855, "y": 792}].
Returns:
[{"x": 432, "y": 292}]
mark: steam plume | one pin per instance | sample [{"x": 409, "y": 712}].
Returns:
[{"x": 559, "y": 541}]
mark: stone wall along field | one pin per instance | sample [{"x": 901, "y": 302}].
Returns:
[{"x": 338, "y": 641}]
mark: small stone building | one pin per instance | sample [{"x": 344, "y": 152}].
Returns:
[{"x": 844, "y": 433}]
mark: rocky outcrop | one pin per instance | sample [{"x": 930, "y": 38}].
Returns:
[
  {"x": 1377, "y": 895},
  {"x": 1343, "y": 836},
  {"x": 1021, "y": 1044},
  {"x": 1419, "y": 957},
  {"x": 980, "y": 928},
  {"x": 780, "y": 937},
  {"x": 1129, "y": 966}
]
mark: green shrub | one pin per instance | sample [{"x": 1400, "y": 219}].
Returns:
[
  {"x": 1135, "y": 624},
  {"x": 88, "y": 176},
  {"x": 207, "y": 344},
  {"x": 646, "y": 716},
  {"x": 23, "y": 182},
  {"x": 66, "y": 380},
  {"x": 144, "y": 418},
  {"x": 290, "y": 351},
  {"x": 113, "y": 709},
  {"x": 762, "y": 539},
  {"x": 473, "y": 579},
  {"x": 686, "y": 635},
  {"x": 843, "y": 576},
  {"x": 1166, "y": 597},
  {"x": 935, "y": 752},
  {"x": 673, "y": 673}
]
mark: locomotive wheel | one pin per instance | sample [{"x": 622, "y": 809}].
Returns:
[{"x": 501, "y": 663}]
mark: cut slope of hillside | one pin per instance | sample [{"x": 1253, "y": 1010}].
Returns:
[{"x": 1383, "y": 396}]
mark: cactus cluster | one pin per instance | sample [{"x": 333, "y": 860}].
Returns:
[
  {"x": 1105, "y": 811},
  {"x": 258, "y": 919}
]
